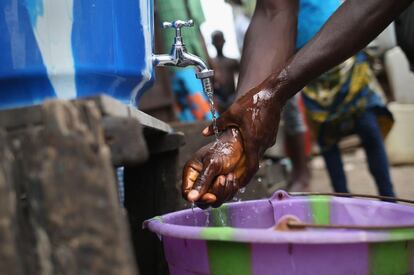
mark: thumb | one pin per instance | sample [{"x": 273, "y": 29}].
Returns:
[
  {"x": 222, "y": 123},
  {"x": 203, "y": 182}
]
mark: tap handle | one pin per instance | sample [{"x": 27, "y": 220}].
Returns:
[{"x": 178, "y": 24}]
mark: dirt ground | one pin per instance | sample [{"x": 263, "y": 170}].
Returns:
[{"x": 358, "y": 176}]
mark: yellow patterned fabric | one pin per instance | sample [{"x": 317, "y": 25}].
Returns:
[{"x": 335, "y": 99}]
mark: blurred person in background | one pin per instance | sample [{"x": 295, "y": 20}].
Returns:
[
  {"x": 225, "y": 70},
  {"x": 345, "y": 100},
  {"x": 250, "y": 125}
]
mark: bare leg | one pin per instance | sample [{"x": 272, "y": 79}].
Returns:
[
  {"x": 300, "y": 177},
  {"x": 295, "y": 143}
]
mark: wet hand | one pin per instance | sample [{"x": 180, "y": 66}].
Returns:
[
  {"x": 216, "y": 171},
  {"x": 256, "y": 115}
]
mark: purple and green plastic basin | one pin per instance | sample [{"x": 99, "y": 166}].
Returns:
[{"x": 239, "y": 238}]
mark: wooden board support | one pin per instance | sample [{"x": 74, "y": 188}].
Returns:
[
  {"x": 126, "y": 128},
  {"x": 60, "y": 213},
  {"x": 9, "y": 260},
  {"x": 125, "y": 138},
  {"x": 150, "y": 191}
]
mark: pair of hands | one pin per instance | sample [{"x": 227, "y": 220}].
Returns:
[{"x": 218, "y": 170}]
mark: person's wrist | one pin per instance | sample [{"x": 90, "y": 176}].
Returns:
[{"x": 279, "y": 84}]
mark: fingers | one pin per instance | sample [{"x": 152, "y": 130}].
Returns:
[
  {"x": 219, "y": 187},
  {"x": 190, "y": 173},
  {"x": 224, "y": 190},
  {"x": 226, "y": 186},
  {"x": 245, "y": 171},
  {"x": 206, "y": 200},
  {"x": 203, "y": 182},
  {"x": 209, "y": 198},
  {"x": 221, "y": 191}
]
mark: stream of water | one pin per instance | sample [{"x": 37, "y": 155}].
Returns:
[
  {"x": 194, "y": 214},
  {"x": 208, "y": 90}
]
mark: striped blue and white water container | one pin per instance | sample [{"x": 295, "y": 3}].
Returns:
[{"x": 74, "y": 48}]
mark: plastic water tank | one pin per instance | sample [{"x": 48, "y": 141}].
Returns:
[{"x": 74, "y": 48}]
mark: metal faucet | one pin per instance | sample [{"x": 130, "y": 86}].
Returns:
[{"x": 179, "y": 57}]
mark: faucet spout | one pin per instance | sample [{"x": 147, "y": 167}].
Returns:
[
  {"x": 179, "y": 57},
  {"x": 193, "y": 60},
  {"x": 202, "y": 68}
]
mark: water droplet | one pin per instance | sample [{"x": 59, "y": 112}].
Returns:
[
  {"x": 242, "y": 190},
  {"x": 221, "y": 216},
  {"x": 259, "y": 179},
  {"x": 194, "y": 214},
  {"x": 207, "y": 212}
]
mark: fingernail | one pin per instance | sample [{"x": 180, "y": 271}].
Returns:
[
  {"x": 222, "y": 180},
  {"x": 193, "y": 195},
  {"x": 209, "y": 198},
  {"x": 205, "y": 131}
]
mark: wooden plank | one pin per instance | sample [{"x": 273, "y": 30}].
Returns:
[
  {"x": 32, "y": 115},
  {"x": 66, "y": 176},
  {"x": 126, "y": 140},
  {"x": 125, "y": 127},
  {"x": 159, "y": 144},
  {"x": 11, "y": 119},
  {"x": 150, "y": 190},
  {"x": 112, "y": 107},
  {"x": 9, "y": 256}
]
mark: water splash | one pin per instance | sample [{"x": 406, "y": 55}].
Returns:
[
  {"x": 208, "y": 90},
  {"x": 221, "y": 217},
  {"x": 194, "y": 214},
  {"x": 207, "y": 213}
]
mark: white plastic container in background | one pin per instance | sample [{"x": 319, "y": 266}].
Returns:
[
  {"x": 384, "y": 41},
  {"x": 400, "y": 141},
  {"x": 400, "y": 77}
]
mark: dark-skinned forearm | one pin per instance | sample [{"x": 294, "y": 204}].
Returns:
[
  {"x": 269, "y": 42},
  {"x": 350, "y": 29}
]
